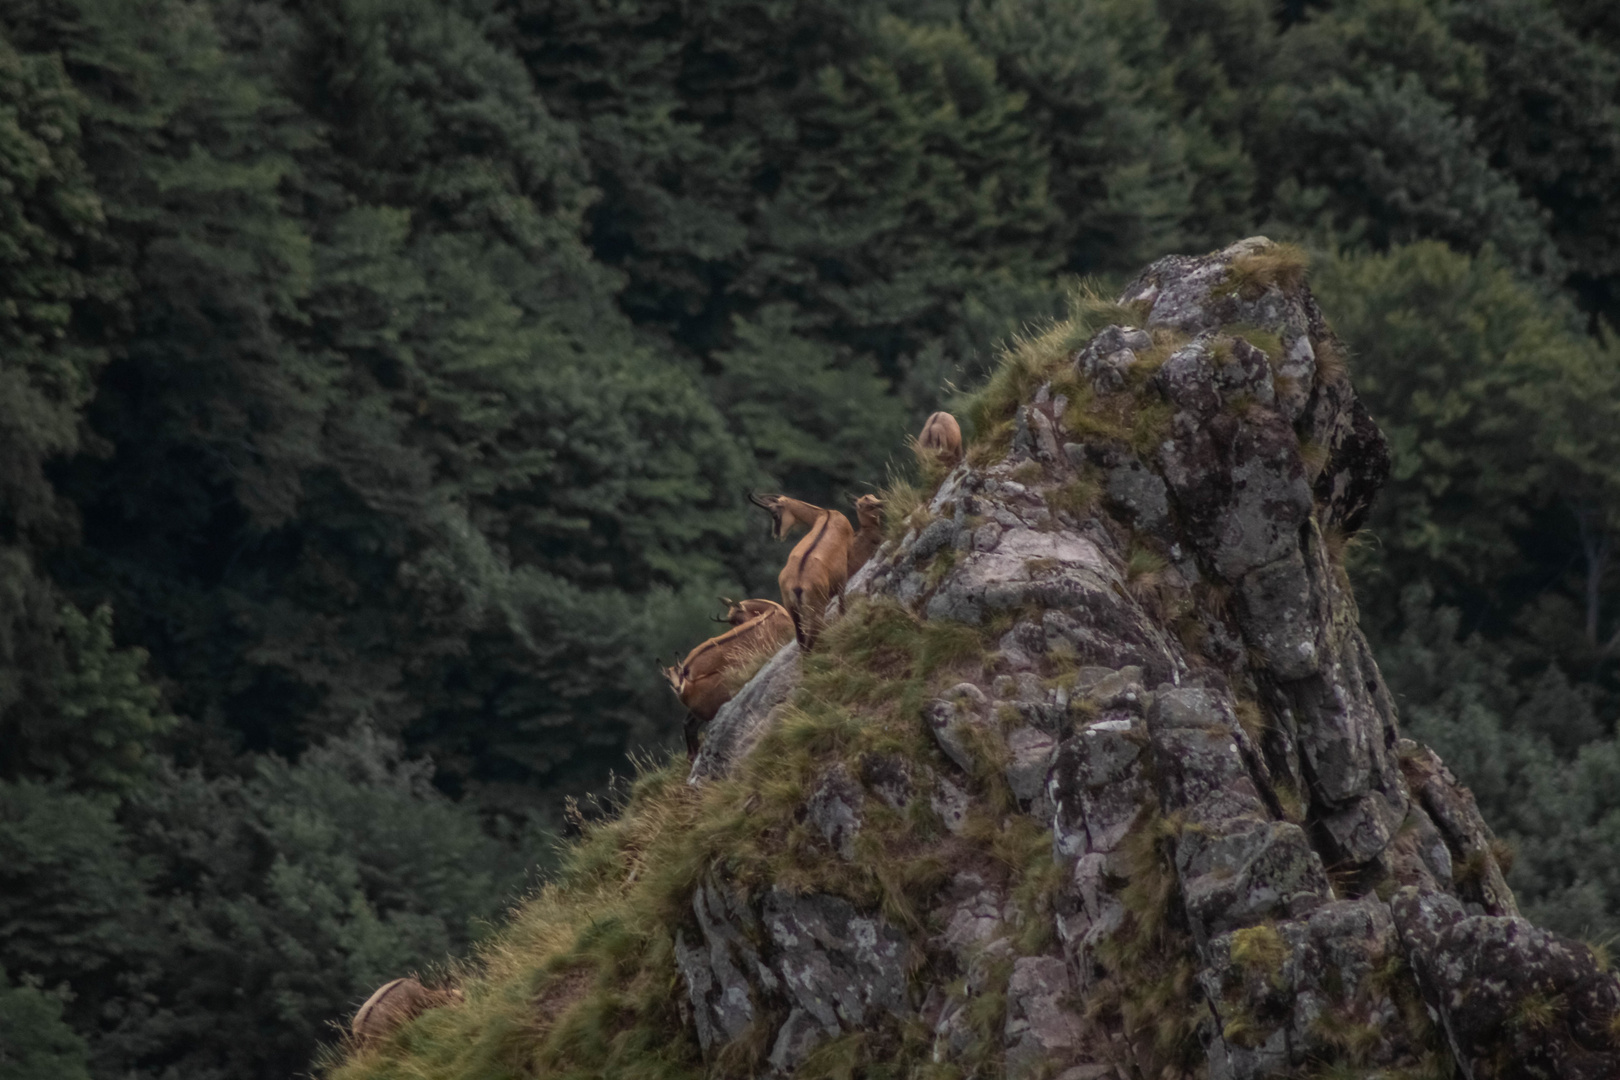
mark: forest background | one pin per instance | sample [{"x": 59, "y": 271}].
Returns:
[{"x": 380, "y": 381}]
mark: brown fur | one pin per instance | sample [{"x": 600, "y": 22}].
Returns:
[
  {"x": 740, "y": 611},
  {"x": 869, "y": 511},
  {"x": 393, "y": 1004},
  {"x": 943, "y": 436},
  {"x": 700, "y": 680},
  {"x": 819, "y": 565}
]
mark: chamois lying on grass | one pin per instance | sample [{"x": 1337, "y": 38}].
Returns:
[
  {"x": 819, "y": 565},
  {"x": 869, "y": 511},
  {"x": 942, "y": 436},
  {"x": 740, "y": 611},
  {"x": 701, "y": 680},
  {"x": 393, "y": 1004}
]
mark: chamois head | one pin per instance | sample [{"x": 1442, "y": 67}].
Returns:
[
  {"x": 869, "y": 510},
  {"x": 672, "y": 675},
  {"x": 786, "y": 513}
]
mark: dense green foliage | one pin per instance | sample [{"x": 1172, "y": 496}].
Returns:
[{"x": 381, "y": 378}]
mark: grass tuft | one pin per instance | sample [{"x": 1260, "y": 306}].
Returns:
[
  {"x": 1331, "y": 364},
  {"x": 1077, "y": 496},
  {"x": 1283, "y": 266},
  {"x": 1260, "y": 950}
]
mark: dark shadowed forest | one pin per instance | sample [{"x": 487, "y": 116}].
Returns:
[{"x": 380, "y": 382}]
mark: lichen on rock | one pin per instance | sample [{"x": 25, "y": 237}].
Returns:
[{"x": 1094, "y": 774}]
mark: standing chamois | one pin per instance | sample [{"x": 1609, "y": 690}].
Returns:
[
  {"x": 942, "y": 436},
  {"x": 869, "y": 511},
  {"x": 819, "y": 565},
  {"x": 701, "y": 681}
]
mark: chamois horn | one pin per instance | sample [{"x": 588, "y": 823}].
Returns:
[{"x": 757, "y": 501}]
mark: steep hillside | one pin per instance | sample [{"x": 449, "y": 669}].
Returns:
[{"x": 1094, "y": 777}]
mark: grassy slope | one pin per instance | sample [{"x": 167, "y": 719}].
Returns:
[{"x": 582, "y": 981}]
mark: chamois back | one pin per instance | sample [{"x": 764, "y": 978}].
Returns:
[
  {"x": 741, "y": 611},
  {"x": 818, "y": 566},
  {"x": 394, "y": 1003},
  {"x": 702, "y": 681},
  {"x": 942, "y": 437}
]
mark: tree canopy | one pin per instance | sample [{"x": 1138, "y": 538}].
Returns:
[{"x": 380, "y": 381}]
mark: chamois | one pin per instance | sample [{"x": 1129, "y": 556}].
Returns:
[
  {"x": 740, "y": 611},
  {"x": 942, "y": 435},
  {"x": 869, "y": 511},
  {"x": 700, "y": 681},
  {"x": 818, "y": 566},
  {"x": 392, "y": 1005}
]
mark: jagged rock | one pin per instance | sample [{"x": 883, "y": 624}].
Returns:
[
  {"x": 1513, "y": 1000},
  {"x": 745, "y": 718},
  {"x": 835, "y": 810},
  {"x": 1029, "y": 752},
  {"x": 1107, "y": 357},
  {"x": 720, "y": 971},
  {"x": 951, "y": 803},
  {"x": 1040, "y": 1027},
  {"x": 1096, "y": 786},
  {"x": 959, "y": 720},
  {"x": 1026, "y": 567},
  {"x": 1204, "y": 741},
  {"x": 890, "y": 777},
  {"x": 1141, "y": 493},
  {"x": 837, "y": 967}
]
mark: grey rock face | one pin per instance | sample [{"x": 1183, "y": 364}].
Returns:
[
  {"x": 835, "y": 810},
  {"x": 1482, "y": 972},
  {"x": 747, "y": 716},
  {"x": 1110, "y": 354},
  {"x": 1175, "y": 686},
  {"x": 1041, "y": 1024},
  {"x": 721, "y": 969}
]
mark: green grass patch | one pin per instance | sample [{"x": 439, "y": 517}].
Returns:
[
  {"x": 1260, "y": 951},
  {"x": 1042, "y": 355},
  {"x": 581, "y": 981}
]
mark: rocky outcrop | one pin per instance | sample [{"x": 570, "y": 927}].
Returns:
[{"x": 1254, "y": 875}]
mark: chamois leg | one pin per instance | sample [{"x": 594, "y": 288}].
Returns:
[
  {"x": 809, "y": 622},
  {"x": 691, "y": 730}
]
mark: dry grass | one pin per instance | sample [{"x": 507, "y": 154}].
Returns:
[
  {"x": 1260, "y": 951},
  {"x": 1077, "y": 496},
  {"x": 1250, "y": 719},
  {"x": 905, "y": 506},
  {"x": 1314, "y": 456},
  {"x": 746, "y": 662},
  {"x": 581, "y": 980},
  {"x": 932, "y": 465},
  {"x": 1331, "y": 363},
  {"x": 1283, "y": 266},
  {"x": 1040, "y": 355}
]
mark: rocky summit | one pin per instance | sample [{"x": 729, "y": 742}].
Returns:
[{"x": 1093, "y": 776}]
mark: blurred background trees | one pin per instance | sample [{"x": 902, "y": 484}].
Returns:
[{"x": 380, "y": 379}]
